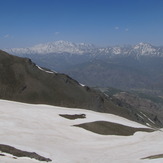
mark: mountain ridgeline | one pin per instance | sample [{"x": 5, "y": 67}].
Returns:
[
  {"x": 137, "y": 67},
  {"x": 22, "y": 80}
]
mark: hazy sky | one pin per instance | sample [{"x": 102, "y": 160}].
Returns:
[{"x": 25, "y": 23}]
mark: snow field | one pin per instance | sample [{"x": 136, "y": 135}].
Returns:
[{"x": 40, "y": 129}]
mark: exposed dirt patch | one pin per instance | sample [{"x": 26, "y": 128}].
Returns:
[
  {"x": 154, "y": 156},
  {"x": 109, "y": 128},
  {"x": 73, "y": 117},
  {"x": 20, "y": 153}
]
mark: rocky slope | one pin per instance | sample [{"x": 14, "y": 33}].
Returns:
[
  {"x": 154, "y": 110},
  {"x": 22, "y": 80}
]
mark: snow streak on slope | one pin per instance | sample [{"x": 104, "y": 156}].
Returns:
[
  {"x": 50, "y": 72},
  {"x": 40, "y": 129}
]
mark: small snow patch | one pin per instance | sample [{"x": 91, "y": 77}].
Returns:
[
  {"x": 140, "y": 116},
  {"x": 50, "y": 72},
  {"x": 82, "y": 85},
  {"x": 147, "y": 118}
]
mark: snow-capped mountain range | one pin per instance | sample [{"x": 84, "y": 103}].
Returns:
[
  {"x": 141, "y": 49},
  {"x": 54, "y": 47}
]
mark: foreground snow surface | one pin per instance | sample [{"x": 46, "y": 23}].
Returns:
[{"x": 40, "y": 129}]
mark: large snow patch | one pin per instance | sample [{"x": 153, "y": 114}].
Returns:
[{"x": 40, "y": 129}]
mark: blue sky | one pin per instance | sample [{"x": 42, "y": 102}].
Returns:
[{"x": 24, "y": 23}]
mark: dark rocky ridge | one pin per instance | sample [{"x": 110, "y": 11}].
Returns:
[
  {"x": 21, "y": 80},
  {"x": 109, "y": 128},
  {"x": 20, "y": 153},
  {"x": 73, "y": 116},
  {"x": 154, "y": 156}
]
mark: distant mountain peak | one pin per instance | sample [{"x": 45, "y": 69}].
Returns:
[
  {"x": 143, "y": 44},
  {"x": 145, "y": 49}
]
